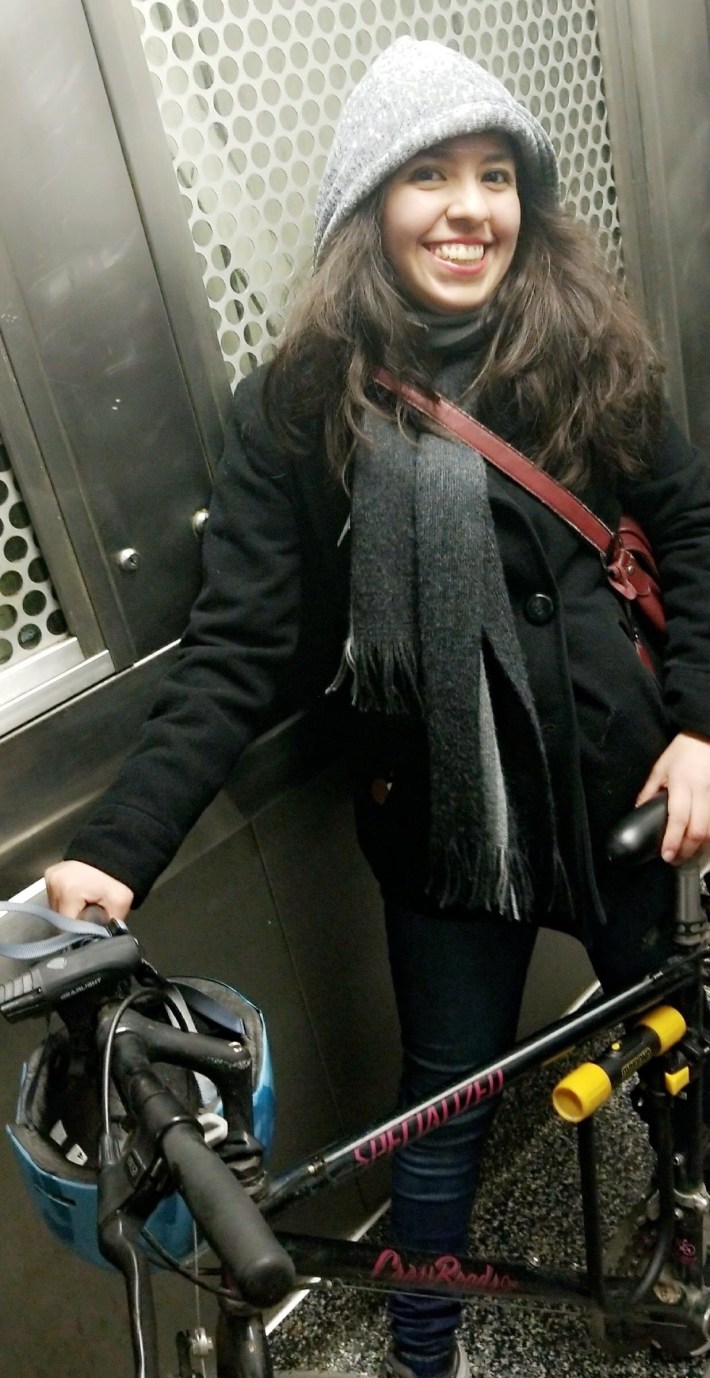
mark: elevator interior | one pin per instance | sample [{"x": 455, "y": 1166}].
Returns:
[{"x": 159, "y": 166}]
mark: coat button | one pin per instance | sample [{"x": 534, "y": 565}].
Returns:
[
  {"x": 380, "y": 789},
  {"x": 539, "y": 609}
]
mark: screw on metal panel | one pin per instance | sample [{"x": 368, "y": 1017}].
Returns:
[
  {"x": 199, "y": 520},
  {"x": 128, "y": 560}
]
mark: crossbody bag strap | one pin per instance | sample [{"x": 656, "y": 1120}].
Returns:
[{"x": 508, "y": 460}]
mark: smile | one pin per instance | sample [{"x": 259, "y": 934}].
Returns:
[{"x": 458, "y": 253}]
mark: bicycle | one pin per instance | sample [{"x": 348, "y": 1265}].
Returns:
[{"x": 662, "y": 1300}]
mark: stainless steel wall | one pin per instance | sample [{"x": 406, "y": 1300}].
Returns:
[
  {"x": 89, "y": 343},
  {"x": 657, "y": 83}
]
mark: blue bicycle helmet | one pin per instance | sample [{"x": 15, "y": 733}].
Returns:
[{"x": 56, "y": 1123}]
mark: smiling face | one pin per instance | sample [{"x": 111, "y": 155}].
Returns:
[{"x": 450, "y": 222}]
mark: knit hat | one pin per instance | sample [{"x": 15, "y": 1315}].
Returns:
[{"x": 414, "y": 95}]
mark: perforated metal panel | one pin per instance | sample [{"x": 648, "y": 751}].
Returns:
[
  {"x": 250, "y": 92},
  {"x": 30, "y": 616}
]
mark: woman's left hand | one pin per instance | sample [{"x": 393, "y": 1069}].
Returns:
[{"x": 684, "y": 771}]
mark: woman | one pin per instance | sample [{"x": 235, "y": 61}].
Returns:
[{"x": 503, "y": 719}]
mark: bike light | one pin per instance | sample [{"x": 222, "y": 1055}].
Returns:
[{"x": 96, "y": 967}]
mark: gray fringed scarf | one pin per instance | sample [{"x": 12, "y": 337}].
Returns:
[{"x": 432, "y": 635}]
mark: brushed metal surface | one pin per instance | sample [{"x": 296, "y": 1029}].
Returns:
[
  {"x": 88, "y": 336},
  {"x": 657, "y": 78}
]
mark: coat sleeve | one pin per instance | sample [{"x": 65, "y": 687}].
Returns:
[
  {"x": 672, "y": 503},
  {"x": 231, "y": 663}
]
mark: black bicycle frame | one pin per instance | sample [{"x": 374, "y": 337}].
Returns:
[
  {"x": 385, "y": 1268},
  {"x": 682, "y": 1196}
]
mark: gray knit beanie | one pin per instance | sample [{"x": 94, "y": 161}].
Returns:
[{"x": 414, "y": 95}]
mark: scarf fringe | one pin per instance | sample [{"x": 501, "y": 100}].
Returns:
[
  {"x": 477, "y": 875},
  {"x": 384, "y": 677}
]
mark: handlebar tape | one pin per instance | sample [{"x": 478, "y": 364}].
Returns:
[{"x": 232, "y": 1224}]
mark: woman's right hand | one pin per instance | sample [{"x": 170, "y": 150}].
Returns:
[{"x": 71, "y": 885}]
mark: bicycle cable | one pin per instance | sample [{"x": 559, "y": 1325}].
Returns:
[
  {"x": 134, "y": 998},
  {"x": 196, "y": 1297},
  {"x": 166, "y": 1261}
]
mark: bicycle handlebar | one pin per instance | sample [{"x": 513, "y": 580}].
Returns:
[
  {"x": 231, "y": 1222},
  {"x": 637, "y": 837},
  {"x": 223, "y": 1210},
  {"x": 228, "y": 1217}
]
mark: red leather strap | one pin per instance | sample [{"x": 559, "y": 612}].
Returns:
[
  {"x": 619, "y": 549},
  {"x": 503, "y": 456}
]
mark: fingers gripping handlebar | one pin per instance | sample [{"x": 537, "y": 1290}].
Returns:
[{"x": 637, "y": 837}]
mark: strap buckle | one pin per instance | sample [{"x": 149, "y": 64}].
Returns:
[{"x": 621, "y": 567}]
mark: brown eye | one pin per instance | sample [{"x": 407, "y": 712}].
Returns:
[
  {"x": 499, "y": 177},
  {"x": 426, "y": 174}
]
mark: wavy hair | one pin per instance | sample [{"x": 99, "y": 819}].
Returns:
[{"x": 569, "y": 368}]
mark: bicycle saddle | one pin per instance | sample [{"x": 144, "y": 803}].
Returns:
[{"x": 638, "y": 836}]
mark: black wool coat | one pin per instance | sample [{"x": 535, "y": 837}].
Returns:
[{"x": 266, "y": 633}]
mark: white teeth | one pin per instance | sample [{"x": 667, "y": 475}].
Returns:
[{"x": 459, "y": 253}]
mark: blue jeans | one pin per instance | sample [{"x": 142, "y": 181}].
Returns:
[{"x": 458, "y": 984}]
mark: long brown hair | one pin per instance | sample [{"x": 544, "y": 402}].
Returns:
[{"x": 569, "y": 365}]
